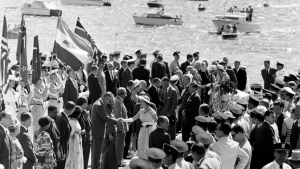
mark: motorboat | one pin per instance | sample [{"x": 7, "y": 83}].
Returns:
[
  {"x": 266, "y": 5},
  {"x": 239, "y": 19},
  {"x": 226, "y": 35},
  {"x": 199, "y": 0},
  {"x": 155, "y": 4},
  {"x": 107, "y": 3},
  {"x": 156, "y": 19},
  {"x": 13, "y": 32},
  {"x": 83, "y": 2},
  {"x": 201, "y": 8},
  {"x": 41, "y": 8}
]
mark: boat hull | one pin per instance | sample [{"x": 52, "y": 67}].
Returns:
[
  {"x": 229, "y": 35},
  {"x": 41, "y": 12},
  {"x": 106, "y": 4},
  {"x": 155, "y": 5},
  {"x": 82, "y": 2},
  {"x": 201, "y": 9},
  {"x": 245, "y": 26},
  {"x": 156, "y": 22}
]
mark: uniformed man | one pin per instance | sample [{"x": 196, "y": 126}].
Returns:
[
  {"x": 182, "y": 147},
  {"x": 139, "y": 164},
  {"x": 138, "y": 57},
  {"x": 281, "y": 153},
  {"x": 279, "y": 76},
  {"x": 24, "y": 97},
  {"x": 237, "y": 111},
  {"x": 202, "y": 122},
  {"x": 9, "y": 96},
  {"x": 54, "y": 89},
  {"x": 171, "y": 156},
  {"x": 155, "y": 157}
]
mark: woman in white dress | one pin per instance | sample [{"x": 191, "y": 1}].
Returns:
[
  {"x": 148, "y": 117},
  {"x": 75, "y": 157}
]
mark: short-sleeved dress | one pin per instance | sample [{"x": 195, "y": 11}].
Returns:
[
  {"x": 17, "y": 154},
  {"x": 143, "y": 139}
]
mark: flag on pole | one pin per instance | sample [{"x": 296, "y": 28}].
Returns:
[
  {"x": 36, "y": 60},
  {"x": 70, "y": 48},
  {"x": 4, "y": 54},
  {"x": 22, "y": 50},
  {"x": 80, "y": 31}
]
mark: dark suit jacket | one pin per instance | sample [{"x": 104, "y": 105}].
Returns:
[
  {"x": 141, "y": 73},
  {"x": 241, "y": 76},
  {"x": 167, "y": 69},
  {"x": 120, "y": 74},
  {"x": 183, "y": 66},
  {"x": 94, "y": 88},
  {"x": 264, "y": 141},
  {"x": 192, "y": 105},
  {"x": 126, "y": 76},
  {"x": 100, "y": 118},
  {"x": 268, "y": 79},
  {"x": 158, "y": 137},
  {"x": 64, "y": 127},
  {"x": 111, "y": 84},
  {"x": 159, "y": 70},
  {"x": 55, "y": 137},
  {"x": 295, "y": 135},
  {"x": 170, "y": 102},
  {"x": 279, "y": 123},
  {"x": 129, "y": 103},
  {"x": 4, "y": 148},
  {"x": 153, "y": 93},
  {"x": 70, "y": 92},
  {"x": 231, "y": 75},
  {"x": 27, "y": 146}
]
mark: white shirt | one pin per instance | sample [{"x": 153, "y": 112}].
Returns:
[
  {"x": 181, "y": 163},
  {"x": 280, "y": 75},
  {"x": 229, "y": 150},
  {"x": 174, "y": 64},
  {"x": 275, "y": 165}
]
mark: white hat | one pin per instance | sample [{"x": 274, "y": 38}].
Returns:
[
  {"x": 53, "y": 71},
  {"x": 11, "y": 77},
  {"x": 212, "y": 67},
  {"x": 136, "y": 83},
  {"x": 174, "y": 78},
  {"x": 18, "y": 78}
]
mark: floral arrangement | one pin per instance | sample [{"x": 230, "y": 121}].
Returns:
[{"x": 227, "y": 87}]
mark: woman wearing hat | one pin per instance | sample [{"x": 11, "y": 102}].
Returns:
[{"x": 148, "y": 117}]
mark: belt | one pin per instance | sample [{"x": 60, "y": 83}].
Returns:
[{"x": 148, "y": 124}]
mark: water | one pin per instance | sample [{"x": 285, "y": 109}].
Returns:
[{"x": 278, "y": 41}]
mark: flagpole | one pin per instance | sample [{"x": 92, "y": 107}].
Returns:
[{"x": 116, "y": 42}]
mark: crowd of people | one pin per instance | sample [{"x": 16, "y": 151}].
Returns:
[{"x": 116, "y": 109}]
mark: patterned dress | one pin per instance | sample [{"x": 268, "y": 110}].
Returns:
[
  {"x": 75, "y": 157},
  {"x": 44, "y": 151},
  {"x": 143, "y": 139},
  {"x": 17, "y": 154}
]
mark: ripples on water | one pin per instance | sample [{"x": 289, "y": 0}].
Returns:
[{"x": 279, "y": 39}]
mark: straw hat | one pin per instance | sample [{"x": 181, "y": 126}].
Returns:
[{"x": 144, "y": 98}]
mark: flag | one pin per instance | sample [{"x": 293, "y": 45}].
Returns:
[
  {"x": 4, "y": 54},
  {"x": 22, "y": 50},
  {"x": 70, "y": 48},
  {"x": 36, "y": 60},
  {"x": 80, "y": 31}
]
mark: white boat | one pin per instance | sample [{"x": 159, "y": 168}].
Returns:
[
  {"x": 156, "y": 19},
  {"x": 41, "y": 8},
  {"x": 13, "y": 32},
  {"x": 83, "y": 2},
  {"x": 238, "y": 19}
]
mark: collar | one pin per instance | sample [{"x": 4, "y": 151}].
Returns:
[
  {"x": 276, "y": 164},
  {"x": 168, "y": 88},
  {"x": 267, "y": 122},
  {"x": 120, "y": 98},
  {"x": 26, "y": 129},
  {"x": 154, "y": 87},
  {"x": 129, "y": 90},
  {"x": 193, "y": 93},
  {"x": 3, "y": 127},
  {"x": 243, "y": 142},
  {"x": 224, "y": 138}
]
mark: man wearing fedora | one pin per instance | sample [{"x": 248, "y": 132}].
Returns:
[
  {"x": 281, "y": 152},
  {"x": 295, "y": 159},
  {"x": 159, "y": 136},
  {"x": 268, "y": 74}
]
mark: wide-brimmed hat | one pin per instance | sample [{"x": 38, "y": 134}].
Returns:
[
  {"x": 295, "y": 155},
  {"x": 144, "y": 98},
  {"x": 196, "y": 129},
  {"x": 11, "y": 77},
  {"x": 204, "y": 138}
]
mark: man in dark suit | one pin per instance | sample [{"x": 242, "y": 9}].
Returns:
[
  {"x": 264, "y": 147},
  {"x": 64, "y": 127},
  {"x": 241, "y": 76},
  {"x": 141, "y": 72},
  {"x": 153, "y": 92},
  {"x": 5, "y": 144},
  {"x": 278, "y": 109},
  {"x": 295, "y": 132},
  {"x": 71, "y": 88},
  {"x": 167, "y": 69},
  {"x": 94, "y": 85},
  {"x": 187, "y": 63},
  {"x": 159, "y": 136},
  {"x": 268, "y": 74},
  {"x": 111, "y": 79},
  {"x": 26, "y": 143},
  {"x": 129, "y": 104},
  {"x": 159, "y": 68},
  {"x": 127, "y": 74},
  {"x": 170, "y": 103},
  {"x": 191, "y": 110},
  {"x": 229, "y": 72},
  {"x": 100, "y": 118}
]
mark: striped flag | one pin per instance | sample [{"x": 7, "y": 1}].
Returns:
[
  {"x": 36, "y": 60},
  {"x": 4, "y": 54},
  {"x": 80, "y": 31},
  {"x": 70, "y": 48},
  {"x": 22, "y": 50}
]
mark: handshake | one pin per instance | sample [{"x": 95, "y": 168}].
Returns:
[{"x": 120, "y": 120}]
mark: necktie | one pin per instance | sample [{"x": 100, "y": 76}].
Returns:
[
  {"x": 280, "y": 167},
  {"x": 111, "y": 75},
  {"x": 83, "y": 76},
  {"x": 267, "y": 72}
]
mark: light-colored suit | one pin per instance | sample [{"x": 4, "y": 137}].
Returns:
[{"x": 102, "y": 81}]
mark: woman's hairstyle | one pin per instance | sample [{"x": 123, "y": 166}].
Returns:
[
  {"x": 44, "y": 121},
  {"x": 15, "y": 124},
  {"x": 76, "y": 113}
]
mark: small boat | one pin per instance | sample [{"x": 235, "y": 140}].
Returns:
[
  {"x": 155, "y": 4},
  {"x": 156, "y": 19},
  {"x": 201, "y": 9},
  {"x": 13, "y": 33},
  {"x": 266, "y": 5},
  {"x": 107, "y": 3},
  {"x": 199, "y": 0},
  {"x": 229, "y": 35},
  {"x": 41, "y": 8},
  {"x": 83, "y": 2}
]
